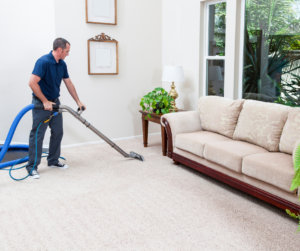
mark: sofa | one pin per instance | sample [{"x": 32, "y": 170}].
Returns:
[{"x": 247, "y": 144}]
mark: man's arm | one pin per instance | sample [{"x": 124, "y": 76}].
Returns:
[
  {"x": 33, "y": 83},
  {"x": 72, "y": 91}
]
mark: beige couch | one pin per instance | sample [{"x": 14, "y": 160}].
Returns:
[{"x": 245, "y": 143}]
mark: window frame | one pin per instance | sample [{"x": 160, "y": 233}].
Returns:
[
  {"x": 206, "y": 44},
  {"x": 241, "y": 50}
]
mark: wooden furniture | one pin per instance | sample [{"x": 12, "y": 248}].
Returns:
[
  {"x": 254, "y": 191},
  {"x": 155, "y": 119}
]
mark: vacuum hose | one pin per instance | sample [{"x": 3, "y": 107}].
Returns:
[
  {"x": 9, "y": 138},
  {"x": 7, "y": 145}
]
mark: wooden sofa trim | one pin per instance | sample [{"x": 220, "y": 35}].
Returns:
[
  {"x": 169, "y": 135},
  {"x": 256, "y": 192}
]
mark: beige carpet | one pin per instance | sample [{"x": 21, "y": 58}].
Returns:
[{"x": 106, "y": 202}]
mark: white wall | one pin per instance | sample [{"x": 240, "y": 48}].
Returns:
[
  {"x": 183, "y": 44},
  {"x": 27, "y": 33},
  {"x": 181, "y": 29},
  {"x": 112, "y": 101}
]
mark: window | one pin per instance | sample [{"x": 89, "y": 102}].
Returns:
[
  {"x": 271, "y": 51},
  {"x": 215, "y": 48}
]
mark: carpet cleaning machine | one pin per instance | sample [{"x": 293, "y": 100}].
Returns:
[{"x": 56, "y": 110}]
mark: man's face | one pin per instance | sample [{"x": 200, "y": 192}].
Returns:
[{"x": 65, "y": 52}]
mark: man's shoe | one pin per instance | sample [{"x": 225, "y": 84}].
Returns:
[
  {"x": 34, "y": 174},
  {"x": 60, "y": 166}
]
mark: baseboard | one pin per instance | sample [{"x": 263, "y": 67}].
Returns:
[
  {"x": 102, "y": 141},
  {"x": 87, "y": 143}
]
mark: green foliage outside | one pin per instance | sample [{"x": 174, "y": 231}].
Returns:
[
  {"x": 272, "y": 50},
  {"x": 277, "y": 64},
  {"x": 157, "y": 101},
  {"x": 291, "y": 91},
  {"x": 220, "y": 27},
  {"x": 275, "y": 17},
  {"x": 295, "y": 45},
  {"x": 282, "y": 101}
]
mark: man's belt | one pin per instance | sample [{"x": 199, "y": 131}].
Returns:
[{"x": 51, "y": 100}]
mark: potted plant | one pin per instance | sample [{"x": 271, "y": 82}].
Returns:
[{"x": 157, "y": 101}]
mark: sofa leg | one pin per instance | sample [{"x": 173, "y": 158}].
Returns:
[{"x": 176, "y": 162}]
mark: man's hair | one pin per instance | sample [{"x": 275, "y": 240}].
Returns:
[{"x": 60, "y": 43}]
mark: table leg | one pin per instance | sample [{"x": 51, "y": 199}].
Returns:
[
  {"x": 164, "y": 141},
  {"x": 145, "y": 130}
]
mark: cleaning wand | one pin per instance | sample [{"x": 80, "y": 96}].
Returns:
[{"x": 88, "y": 125}]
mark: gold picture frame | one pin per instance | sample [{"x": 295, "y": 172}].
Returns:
[
  {"x": 103, "y": 58},
  {"x": 101, "y": 11}
]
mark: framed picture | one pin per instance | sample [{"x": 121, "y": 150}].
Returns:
[
  {"x": 103, "y": 55},
  {"x": 101, "y": 11}
]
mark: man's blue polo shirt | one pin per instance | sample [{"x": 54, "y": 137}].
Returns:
[{"x": 51, "y": 74}]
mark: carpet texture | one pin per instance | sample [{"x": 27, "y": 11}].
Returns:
[{"x": 106, "y": 202}]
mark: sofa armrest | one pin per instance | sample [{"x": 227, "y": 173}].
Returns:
[{"x": 180, "y": 122}]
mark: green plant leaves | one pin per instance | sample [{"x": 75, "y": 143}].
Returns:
[
  {"x": 292, "y": 214},
  {"x": 296, "y": 179},
  {"x": 157, "y": 101},
  {"x": 166, "y": 102},
  {"x": 297, "y": 159},
  {"x": 295, "y": 217}
]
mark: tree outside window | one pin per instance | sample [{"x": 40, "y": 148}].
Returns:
[{"x": 271, "y": 70}]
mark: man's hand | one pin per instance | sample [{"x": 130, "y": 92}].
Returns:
[
  {"x": 81, "y": 105},
  {"x": 48, "y": 105}
]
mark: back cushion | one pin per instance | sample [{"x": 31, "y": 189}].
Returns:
[
  {"x": 219, "y": 114},
  {"x": 261, "y": 123},
  {"x": 291, "y": 131}
]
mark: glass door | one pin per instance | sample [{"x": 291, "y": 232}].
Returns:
[{"x": 271, "y": 51}]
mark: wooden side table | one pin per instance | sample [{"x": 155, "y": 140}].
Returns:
[{"x": 155, "y": 119}]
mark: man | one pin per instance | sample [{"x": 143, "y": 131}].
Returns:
[{"x": 45, "y": 82}]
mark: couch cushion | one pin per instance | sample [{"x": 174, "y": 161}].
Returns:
[
  {"x": 230, "y": 154},
  {"x": 291, "y": 131},
  {"x": 219, "y": 114},
  {"x": 195, "y": 142},
  {"x": 261, "y": 123},
  {"x": 274, "y": 168}
]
